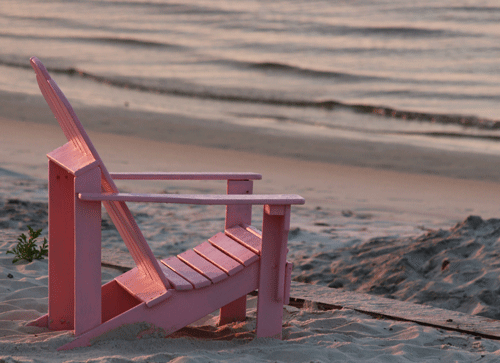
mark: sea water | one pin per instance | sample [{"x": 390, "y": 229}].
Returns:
[{"x": 423, "y": 72}]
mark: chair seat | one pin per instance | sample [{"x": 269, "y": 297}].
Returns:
[{"x": 222, "y": 256}]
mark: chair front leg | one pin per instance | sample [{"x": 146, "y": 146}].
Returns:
[
  {"x": 74, "y": 251},
  {"x": 87, "y": 262},
  {"x": 275, "y": 227},
  {"x": 61, "y": 249}
]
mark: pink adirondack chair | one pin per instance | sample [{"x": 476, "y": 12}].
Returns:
[{"x": 171, "y": 293}]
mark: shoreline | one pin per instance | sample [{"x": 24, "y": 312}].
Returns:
[
  {"x": 343, "y": 149},
  {"x": 408, "y": 193}
]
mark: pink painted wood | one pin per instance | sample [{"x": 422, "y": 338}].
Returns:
[
  {"x": 288, "y": 281},
  {"x": 275, "y": 227},
  {"x": 215, "y": 274},
  {"x": 75, "y": 282},
  {"x": 176, "y": 280},
  {"x": 248, "y": 239},
  {"x": 187, "y": 272},
  {"x": 233, "y": 249},
  {"x": 206, "y": 199},
  {"x": 87, "y": 253},
  {"x": 236, "y": 215},
  {"x": 185, "y": 176},
  {"x": 236, "y": 310},
  {"x": 204, "y": 267},
  {"x": 218, "y": 258},
  {"x": 61, "y": 268},
  {"x": 140, "y": 286}
]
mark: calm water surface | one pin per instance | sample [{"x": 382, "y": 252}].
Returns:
[{"x": 424, "y": 73}]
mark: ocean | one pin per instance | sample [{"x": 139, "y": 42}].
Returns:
[{"x": 423, "y": 73}]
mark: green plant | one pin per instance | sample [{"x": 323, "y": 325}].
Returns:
[{"x": 26, "y": 249}]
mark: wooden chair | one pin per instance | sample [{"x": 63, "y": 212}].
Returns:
[{"x": 167, "y": 294}]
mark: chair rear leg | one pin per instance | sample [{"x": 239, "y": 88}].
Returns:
[{"x": 234, "y": 311}]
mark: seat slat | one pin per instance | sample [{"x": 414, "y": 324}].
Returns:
[
  {"x": 246, "y": 238},
  {"x": 177, "y": 281},
  {"x": 139, "y": 285},
  {"x": 254, "y": 230},
  {"x": 186, "y": 272},
  {"x": 207, "y": 269},
  {"x": 233, "y": 249},
  {"x": 218, "y": 258}
]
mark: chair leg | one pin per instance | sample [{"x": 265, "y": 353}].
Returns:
[
  {"x": 237, "y": 214},
  {"x": 234, "y": 311},
  {"x": 87, "y": 254},
  {"x": 74, "y": 251},
  {"x": 275, "y": 226},
  {"x": 61, "y": 249}
]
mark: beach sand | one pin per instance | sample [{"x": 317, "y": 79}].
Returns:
[{"x": 373, "y": 222}]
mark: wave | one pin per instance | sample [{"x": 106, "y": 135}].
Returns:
[
  {"x": 276, "y": 67},
  {"x": 468, "y": 9},
  {"x": 99, "y": 39},
  {"x": 345, "y": 30},
  {"x": 436, "y": 134},
  {"x": 436, "y": 95},
  {"x": 127, "y": 41},
  {"x": 191, "y": 91},
  {"x": 459, "y": 14},
  {"x": 174, "y": 8},
  {"x": 295, "y": 70},
  {"x": 396, "y": 31},
  {"x": 388, "y": 31}
]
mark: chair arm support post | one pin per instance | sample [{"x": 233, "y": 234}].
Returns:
[
  {"x": 237, "y": 215},
  {"x": 275, "y": 227},
  {"x": 87, "y": 253}
]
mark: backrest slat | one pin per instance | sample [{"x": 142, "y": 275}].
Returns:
[
  {"x": 118, "y": 211},
  {"x": 48, "y": 94},
  {"x": 48, "y": 91},
  {"x": 66, "y": 115}
]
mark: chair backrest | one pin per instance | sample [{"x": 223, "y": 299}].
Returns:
[{"x": 118, "y": 211}]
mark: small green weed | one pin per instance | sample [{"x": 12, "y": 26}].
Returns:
[{"x": 26, "y": 249}]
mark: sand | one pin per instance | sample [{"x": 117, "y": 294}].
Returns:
[
  {"x": 382, "y": 230},
  {"x": 310, "y": 335}
]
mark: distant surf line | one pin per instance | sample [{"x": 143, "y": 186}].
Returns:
[{"x": 383, "y": 111}]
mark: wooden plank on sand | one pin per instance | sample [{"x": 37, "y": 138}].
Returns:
[{"x": 398, "y": 310}]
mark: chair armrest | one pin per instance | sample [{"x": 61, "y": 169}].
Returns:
[
  {"x": 208, "y": 199},
  {"x": 185, "y": 176}
]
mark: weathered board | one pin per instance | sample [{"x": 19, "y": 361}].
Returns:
[{"x": 399, "y": 310}]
